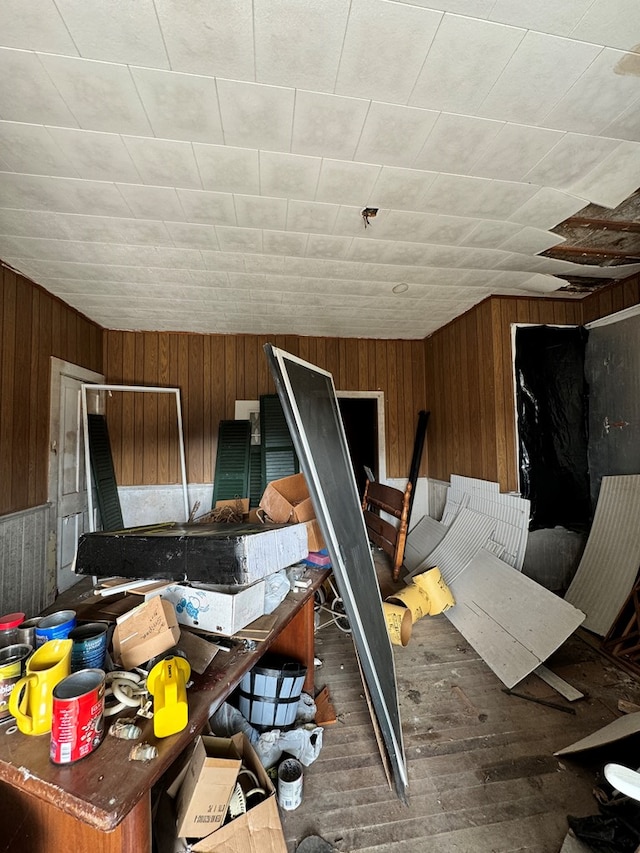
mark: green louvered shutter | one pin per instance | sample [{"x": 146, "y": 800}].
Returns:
[
  {"x": 278, "y": 456},
  {"x": 255, "y": 475},
  {"x": 231, "y": 477},
  {"x": 104, "y": 478}
]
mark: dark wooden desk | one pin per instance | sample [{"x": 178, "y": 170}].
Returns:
[{"x": 102, "y": 804}]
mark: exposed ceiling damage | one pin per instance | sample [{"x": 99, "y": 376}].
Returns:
[
  {"x": 599, "y": 236},
  {"x": 204, "y": 166}
]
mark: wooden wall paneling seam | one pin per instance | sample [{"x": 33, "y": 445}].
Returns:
[
  {"x": 21, "y": 412},
  {"x": 195, "y": 448},
  {"x": 209, "y": 425},
  {"x": 166, "y": 411},
  {"x": 150, "y": 449},
  {"x": 393, "y": 457},
  {"x": 217, "y": 394},
  {"x": 42, "y": 380},
  {"x": 7, "y": 380}
]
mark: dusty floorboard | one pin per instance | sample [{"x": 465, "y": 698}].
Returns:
[{"x": 482, "y": 775}]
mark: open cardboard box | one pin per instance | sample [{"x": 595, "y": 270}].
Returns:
[
  {"x": 287, "y": 500},
  {"x": 259, "y": 830},
  {"x": 217, "y": 609},
  {"x": 144, "y": 632}
]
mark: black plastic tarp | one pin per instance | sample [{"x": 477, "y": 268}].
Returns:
[{"x": 552, "y": 405}]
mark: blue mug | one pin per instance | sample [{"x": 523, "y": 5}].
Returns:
[{"x": 56, "y": 626}]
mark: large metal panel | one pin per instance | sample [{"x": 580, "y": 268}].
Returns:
[{"x": 309, "y": 401}]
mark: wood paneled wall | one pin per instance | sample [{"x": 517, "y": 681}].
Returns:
[
  {"x": 34, "y": 325},
  {"x": 470, "y": 379},
  {"x": 213, "y": 371}
]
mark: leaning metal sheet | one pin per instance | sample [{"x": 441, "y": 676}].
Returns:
[{"x": 309, "y": 401}]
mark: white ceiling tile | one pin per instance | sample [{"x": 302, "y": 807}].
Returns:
[
  {"x": 211, "y": 38},
  {"x": 162, "y": 162},
  {"x": 208, "y": 207},
  {"x": 456, "y": 195},
  {"x": 223, "y": 261},
  {"x": 145, "y": 232},
  {"x": 97, "y": 156},
  {"x": 96, "y": 198},
  {"x": 530, "y": 241},
  {"x": 94, "y": 229},
  {"x": 264, "y": 264},
  {"x": 189, "y": 236},
  {"x": 256, "y": 116},
  {"x": 307, "y": 37},
  {"x": 404, "y": 189},
  {"x": 546, "y": 16},
  {"x": 32, "y": 223},
  {"x": 612, "y": 180},
  {"x": 311, "y": 216},
  {"x": 465, "y": 60},
  {"x": 627, "y": 124},
  {"x": 571, "y": 158},
  {"x": 514, "y": 151},
  {"x": 119, "y": 31},
  {"x": 228, "y": 170},
  {"x": 179, "y": 106},
  {"x": 153, "y": 202},
  {"x": 489, "y": 234},
  {"x": 100, "y": 95},
  {"x": 544, "y": 67},
  {"x": 28, "y": 148},
  {"x": 239, "y": 239},
  {"x": 611, "y": 22},
  {"x": 501, "y": 198},
  {"x": 39, "y": 27},
  {"x": 345, "y": 182},
  {"x": 288, "y": 175},
  {"x": 261, "y": 212},
  {"x": 324, "y": 246},
  {"x": 283, "y": 243},
  {"x": 547, "y": 208},
  {"x": 455, "y": 143},
  {"x": 423, "y": 227},
  {"x": 327, "y": 125},
  {"x": 384, "y": 49},
  {"x": 599, "y": 96},
  {"x": 394, "y": 135},
  {"x": 31, "y": 97},
  {"x": 179, "y": 258}
]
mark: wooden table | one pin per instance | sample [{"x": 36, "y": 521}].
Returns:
[{"x": 102, "y": 804}]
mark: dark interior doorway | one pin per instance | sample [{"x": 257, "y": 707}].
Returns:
[{"x": 360, "y": 419}]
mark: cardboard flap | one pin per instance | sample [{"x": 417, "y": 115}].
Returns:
[
  {"x": 148, "y": 630},
  {"x": 257, "y": 831}
]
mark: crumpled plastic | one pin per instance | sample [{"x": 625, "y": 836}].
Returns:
[
  {"x": 303, "y": 743},
  {"x": 276, "y": 589}
]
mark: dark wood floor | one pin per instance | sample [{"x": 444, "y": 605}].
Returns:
[{"x": 482, "y": 775}]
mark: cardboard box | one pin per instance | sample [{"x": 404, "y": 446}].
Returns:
[
  {"x": 287, "y": 500},
  {"x": 144, "y": 632},
  {"x": 257, "y": 831},
  {"x": 207, "y": 786},
  {"x": 219, "y": 609},
  {"x": 315, "y": 540}
]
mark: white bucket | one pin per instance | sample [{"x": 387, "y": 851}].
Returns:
[{"x": 289, "y": 784}]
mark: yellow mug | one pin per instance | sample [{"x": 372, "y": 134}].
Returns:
[{"x": 31, "y": 700}]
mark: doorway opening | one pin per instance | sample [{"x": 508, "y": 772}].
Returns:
[{"x": 359, "y": 417}]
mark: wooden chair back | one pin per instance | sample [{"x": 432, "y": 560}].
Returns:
[{"x": 390, "y": 538}]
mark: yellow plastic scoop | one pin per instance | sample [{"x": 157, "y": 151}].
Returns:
[{"x": 167, "y": 683}]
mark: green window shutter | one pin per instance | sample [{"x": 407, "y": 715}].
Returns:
[
  {"x": 231, "y": 476},
  {"x": 278, "y": 455},
  {"x": 255, "y": 475},
  {"x": 104, "y": 478}
]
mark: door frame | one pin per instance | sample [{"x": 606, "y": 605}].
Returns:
[{"x": 59, "y": 368}]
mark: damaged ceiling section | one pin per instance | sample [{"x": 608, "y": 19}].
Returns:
[{"x": 602, "y": 238}]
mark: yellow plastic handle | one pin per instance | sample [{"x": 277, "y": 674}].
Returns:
[
  {"x": 18, "y": 699},
  {"x": 167, "y": 682}
]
